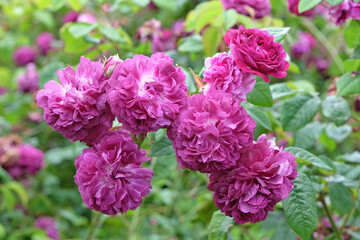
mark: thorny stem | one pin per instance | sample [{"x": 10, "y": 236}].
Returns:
[
  {"x": 328, "y": 214},
  {"x": 325, "y": 42},
  {"x": 93, "y": 225}
]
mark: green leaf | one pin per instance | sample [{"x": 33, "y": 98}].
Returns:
[
  {"x": 335, "y": 2},
  {"x": 348, "y": 84},
  {"x": 336, "y": 109},
  {"x": 261, "y": 94},
  {"x": 191, "y": 44},
  {"x": 190, "y": 81},
  {"x": 57, "y": 4},
  {"x": 75, "y": 4},
  {"x": 297, "y": 111},
  {"x": 279, "y": 90},
  {"x": 45, "y": 18},
  {"x": 230, "y": 18},
  {"x": 111, "y": 33},
  {"x": 309, "y": 157},
  {"x": 211, "y": 39},
  {"x": 305, "y": 5},
  {"x": 166, "y": 4},
  {"x": 306, "y": 136},
  {"x": 351, "y": 157},
  {"x": 81, "y": 29},
  {"x": 219, "y": 226},
  {"x": 206, "y": 13},
  {"x": 340, "y": 197},
  {"x": 300, "y": 208},
  {"x": 72, "y": 44},
  {"x": 260, "y": 117},
  {"x": 49, "y": 72},
  {"x": 20, "y": 191},
  {"x": 278, "y": 33},
  {"x": 162, "y": 147},
  {"x": 339, "y": 134},
  {"x": 352, "y": 33}
]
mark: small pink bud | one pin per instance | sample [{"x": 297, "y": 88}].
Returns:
[{"x": 110, "y": 64}]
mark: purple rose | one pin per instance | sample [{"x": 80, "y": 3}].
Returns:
[
  {"x": 44, "y": 41},
  {"x": 223, "y": 74},
  {"x": 48, "y": 224},
  {"x": 263, "y": 177},
  {"x": 348, "y": 9},
  {"x": 109, "y": 176},
  {"x": 24, "y": 55},
  {"x": 70, "y": 16},
  {"x": 256, "y": 52},
  {"x": 30, "y": 161},
  {"x": 261, "y": 8},
  {"x": 305, "y": 45},
  {"x": 293, "y": 7},
  {"x": 211, "y": 132},
  {"x": 78, "y": 108},
  {"x": 29, "y": 81},
  {"x": 147, "y": 93}
]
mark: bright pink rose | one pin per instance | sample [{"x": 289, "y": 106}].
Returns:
[
  {"x": 261, "y": 7},
  {"x": 109, "y": 176},
  {"x": 211, "y": 132},
  {"x": 147, "y": 93},
  {"x": 263, "y": 177},
  {"x": 256, "y": 52},
  {"x": 77, "y": 107},
  {"x": 86, "y": 18},
  {"x": 223, "y": 74}
]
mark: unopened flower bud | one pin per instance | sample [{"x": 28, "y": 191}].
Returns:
[{"x": 110, "y": 64}]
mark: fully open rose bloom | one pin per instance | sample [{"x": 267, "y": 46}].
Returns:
[
  {"x": 77, "y": 108},
  {"x": 223, "y": 74},
  {"x": 211, "y": 132},
  {"x": 255, "y": 51},
  {"x": 261, "y": 8},
  {"x": 109, "y": 176},
  {"x": 263, "y": 177},
  {"x": 147, "y": 93}
]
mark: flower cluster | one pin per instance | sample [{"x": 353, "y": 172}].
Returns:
[
  {"x": 253, "y": 8},
  {"x": 211, "y": 132}
]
